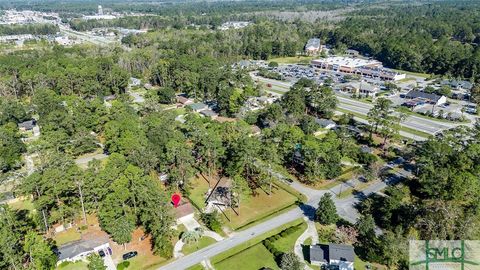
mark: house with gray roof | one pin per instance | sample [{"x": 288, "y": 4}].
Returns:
[
  {"x": 80, "y": 250},
  {"x": 313, "y": 46},
  {"x": 198, "y": 107},
  {"x": 336, "y": 256}
]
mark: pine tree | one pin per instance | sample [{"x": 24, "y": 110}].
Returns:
[{"x": 326, "y": 212}]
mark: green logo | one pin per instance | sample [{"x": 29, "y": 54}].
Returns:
[{"x": 440, "y": 255}]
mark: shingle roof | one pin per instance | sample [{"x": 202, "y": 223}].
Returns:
[
  {"x": 317, "y": 254},
  {"x": 27, "y": 124},
  {"x": 421, "y": 94},
  {"x": 341, "y": 252},
  {"x": 78, "y": 247}
]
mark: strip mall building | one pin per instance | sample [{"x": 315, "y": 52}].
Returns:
[{"x": 358, "y": 66}]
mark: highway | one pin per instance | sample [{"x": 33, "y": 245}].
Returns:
[{"x": 422, "y": 124}]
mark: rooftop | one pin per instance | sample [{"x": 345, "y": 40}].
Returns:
[
  {"x": 313, "y": 42},
  {"x": 184, "y": 209},
  {"x": 421, "y": 94},
  {"x": 348, "y": 62},
  {"x": 341, "y": 252},
  {"x": 78, "y": 247}
]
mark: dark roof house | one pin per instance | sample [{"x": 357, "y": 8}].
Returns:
[{"x": 27, "y": 125}]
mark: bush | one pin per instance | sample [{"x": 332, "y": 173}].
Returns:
[
  {"x": 123, "y": 265},
  {"x": 211, "y": 221}
]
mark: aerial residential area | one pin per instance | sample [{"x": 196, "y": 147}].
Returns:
[{"x": 289, "y": 135}]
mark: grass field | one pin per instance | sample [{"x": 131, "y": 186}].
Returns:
[
  {"x": 286, "y": 244},
  {"x": 73, "y": 266},
  {"x": 196, "y": 267},
  {"x": 203, "y": 242},
  {"x": 198, "y": 191},
  {"x": 261, "y": 206},
  {"x": 254, "y": 257},
  {"x": 292, "y": 59},
  {"x": 145, "y": 261},
  {"x": 22, "y": 205},
  {"x": 66, "y": 236}
]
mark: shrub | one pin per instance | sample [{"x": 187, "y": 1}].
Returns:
[{"x": 123, "y": 265}]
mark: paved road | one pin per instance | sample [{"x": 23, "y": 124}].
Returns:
[
  {"x": 414, "y": 122},
  {"x": 345, "y": 208}
]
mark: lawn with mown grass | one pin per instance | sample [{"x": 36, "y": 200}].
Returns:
[
  {"x": 292, "y": 59},
  {"x": 199, "y": 187},
  {"x": 80, "y": 265},
  {"x": 286, "y": 244},
  {"x": 22, "y": 204},
  {"x": 144, "y": 262},
  {"x": 192, "y": 247},
  {"x": 254, "y": 257},
  {"x": 261, "y": 206},
  {"x": 196, "y": 267},
  {"x": 67, "y": 236}
]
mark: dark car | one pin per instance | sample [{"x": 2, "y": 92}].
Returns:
[
  {"x": 129, "y": 255},
  {"x": 101, "y": 253}
]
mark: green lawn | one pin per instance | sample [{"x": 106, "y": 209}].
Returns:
[
  {"x": 203, "y": 242},
  {"x": 22, "y": 205},
  {"x": 292, "y": 59},
  {"x": 254, "y": 257},
  {"x": 145, "y": 262},
  {"x": 196, "y": 267},
  {"x": 423, "y": 75},
  {"x": 286, "y": 244},
  {"x": 67, "y": 236},
  {"x": 254, "y": 208},
  {"x": 199, "y": 188},
  {"x": 80, "y": 265}
]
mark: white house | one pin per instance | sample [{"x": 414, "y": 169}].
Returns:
[{"x": 79, "y": 250}]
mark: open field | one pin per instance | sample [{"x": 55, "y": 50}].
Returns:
[
  {"x": 261, "y": 206},
  {"x": 292, "y": 59},
  {"x": 251, "y": 209}
]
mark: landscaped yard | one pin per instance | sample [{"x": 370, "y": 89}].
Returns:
[
  {"x": 254, "y": 257},
  {"x": 203, "y": 242}
]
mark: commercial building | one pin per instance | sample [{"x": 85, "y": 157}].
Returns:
[
  {"x": 359, "y": 66},
  {"x": 313, "y": 46},
  {"x": 423, "y": 97}
]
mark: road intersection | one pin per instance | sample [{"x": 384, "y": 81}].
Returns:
[{"x": 345, "y": 208}]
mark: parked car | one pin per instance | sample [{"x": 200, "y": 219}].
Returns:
[
  {"x": 129, "y": 255},
  {"x": 101, "y": 253}
]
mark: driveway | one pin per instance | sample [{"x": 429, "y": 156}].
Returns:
[{"x": 108, "y": 261}]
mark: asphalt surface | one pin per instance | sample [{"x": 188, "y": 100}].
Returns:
[
  {"x": 345, "y": 208},
  {"x": 414, "y": 122}
]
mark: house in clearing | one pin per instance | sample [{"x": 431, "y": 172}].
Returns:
[
  {"x": 79, "y": 250},
  {"x": 313, "y": 46}
]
